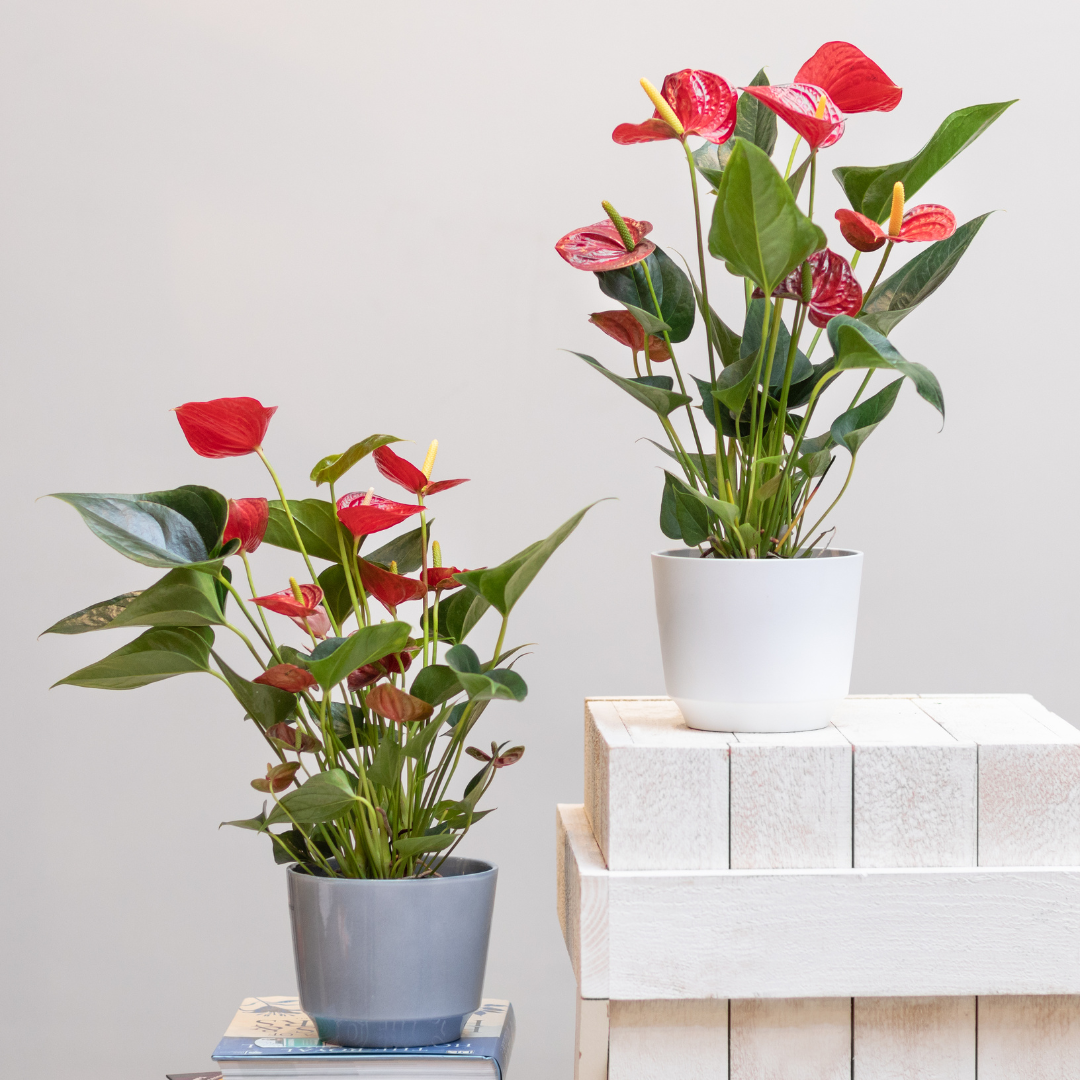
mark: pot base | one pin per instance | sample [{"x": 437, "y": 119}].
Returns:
[
  {"x": 377, "y": 1034},
  {"x": 757, "y": 716}
]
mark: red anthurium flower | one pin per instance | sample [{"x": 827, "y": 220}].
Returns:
[
  {"x": 291, "y": 739},
  {"x": 391, "y": 664},
  {"x": 626, "y": 330},
  {"x": 225, "y": 427},
  {"x": 501, "y": 760},
  {"x": 247, "y": 522},
  {"x": 852, "y": 80},
  {"x": 397, "y": 705},
  {"x": 835, "y": 290},
  {"x": 388, "y": 588},
  {"x": 306, "y": 613},
  {"x": 396, "y": 468},
  {"x": 287, "y": 677},
  {"x": 441, "y": 578},
  {"x": 703, "y": 103},
  {"x": 920, "y": 223},
  {"x": 799, "y": 105},
  {"x": 278, "y": 777},
  {"x": 362, "y": 513},
  {"x": 600, "y": 247}
]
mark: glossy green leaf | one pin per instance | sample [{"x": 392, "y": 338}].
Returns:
[
  {"x": 180, "y": 598},
  {"x": 336, "y": 592},
  {"x": 503, "y": 585},
  {"x": 734, "y": 383},
  {"x": 335, "y": 466},
  {"x": 459, "y": 613},
  {"x": 751, "y": 342},
  {"x": 418, "y": 744},
  {"x": 339, "y": 721},
  {"x": 669, "y": 520},
  {"x": 800, "y": 390},
  {"x": 385, "y": 767},
  {"x": 649, "y": 323},
  {"x": 815, "y": 464},
  {"x": 672, "y": 287},
  {"x": 795, "y": 180},
  {"x": 856, "y": 345},
  {"x": 435, "y": 684},
  {"x": 315, "y": 522},
  {"x": 710, "y": 159},
  {"x": 266, "y": 705},
  {"x": 769, "y": 488},
  {"x": 901, "y": 293},
  {"x": 754, "y": 121},
  {"x": 408, "y": 846},
  {"x": 853, "y": 428},
  {"x": 725, "y": 341},
  {"x": 660, "y": 401},
  {"x": 869, "y": 189},
  {"x": 322, "y": 797},
  {"x": 167, "y": 529},
  {"x": 406, "y": 550},
  {"x": 500, "y": 683},
  {"x": 728, "y": 513},
  {"x": 756, "y": 227},
  {"x": 159, "y": 653},
  {"x": 255, "y": 824},
  {"x": 367, "y": 644}
]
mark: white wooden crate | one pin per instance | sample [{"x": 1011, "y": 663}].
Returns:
[{"x": 949, "y": 827}]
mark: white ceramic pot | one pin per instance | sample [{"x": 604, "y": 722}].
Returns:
[{"x": 757, "y": 644}]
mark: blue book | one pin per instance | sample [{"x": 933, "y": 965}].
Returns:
[{"x": 272, "y": 1037}]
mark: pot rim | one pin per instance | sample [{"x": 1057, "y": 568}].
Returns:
[
  {"x": 471, "y": 875},
  {"x": 693, "y": 554}
]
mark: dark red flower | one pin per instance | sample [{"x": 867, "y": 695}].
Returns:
[
  {"x": 247, "y": 522},
  {"x": 287, "y": 677},
  {"x": 278, "y": 777},
  {"x": 851, "y": 79},
  {"x": 501, "y": 760},
  {"x": 396, "y": 468},
  {"x": 397, "y": 705},
  {"x": 798, "y": 105},
  {"x": 388, "y": 588},
  {"x": 703, "y": 103},
  {"x": 919, "y": 224},
  {"x": 626, "y": 330},
  {"x": 391, "y": 664},
  {"x": 225, "y": 427},
  {"x": 600, "y": 247},
  {"x": 306, "y": 612},
  {"x": 441, "y": 578},
  {"x": 834, "y": 291},
  {"x": 362, "y": 515},
  {"x": 300, "y": 742}
]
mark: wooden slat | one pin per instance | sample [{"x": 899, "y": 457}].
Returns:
[
  {"x": 914, "y": 786},
  {"x": 791, "y": 800},
  {"x": 914, "y": 1038},
  {"x": 636, "y": 935},
  {"x": 1029, "y": 780},
  {"x": 656, "y": 794},
  {"x": 804, "y": 1039},
  {"x": 668, "y": 1040},
  {"x": 1029, "y": 1038},
  {"x": 591, "y": 1039}
]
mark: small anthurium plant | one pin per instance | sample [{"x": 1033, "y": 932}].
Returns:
[
  {"x": 363, "y": 719},
  {"x": 746, "y": 468}
]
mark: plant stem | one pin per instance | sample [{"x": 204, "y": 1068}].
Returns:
[
  {"x": 791, "y": 157},
  {"x": 706, "y": 310},
  {"x": 423, "y": 574},
  {"x": 349, "y": 570},
  {"x": 847, "y": 481},
  {"x": 813, "y": 184},
  {"x": 862, "y": 387},
  {"x": 244, "y": 638},
  {"x": 881, "y": 266},
  {"x": 247, "y": 614},
  {"x": 262, "y": 614}
]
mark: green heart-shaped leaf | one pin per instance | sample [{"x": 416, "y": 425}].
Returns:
[{"x": 160, "y": 653}]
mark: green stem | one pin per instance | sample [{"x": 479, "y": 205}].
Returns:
[
  {"x": 791, "y": 158},
  {"x": 813, "y": 184},
  {"x": 706, "y": 310},
  {"x": 247, "y": 614},
  {"x": 862, "y": 387},
  {"x": 423, "y": 574},
  {"x": 343, "y": 552},
  {"x": 851, "y": 469},
  {"x": 881, "y": 266},
  {"x": 244, "y": 638},
  {"x": 262, "y": 614}
]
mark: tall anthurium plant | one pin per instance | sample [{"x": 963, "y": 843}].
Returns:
[
  {"x": 746, "y": 468},
  {"x": 362, "y": 718}
]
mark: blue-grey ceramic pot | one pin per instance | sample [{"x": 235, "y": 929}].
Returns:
[{"x": 392, "y": 963}]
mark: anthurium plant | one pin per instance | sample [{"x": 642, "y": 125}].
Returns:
[
  {"x": 366, "y": 714},
  {"x": 749, "y": 449}
]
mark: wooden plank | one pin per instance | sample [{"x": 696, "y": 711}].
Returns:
[
  {"x": 668, "y": 1040},
  {"x": 914, "y": 1038},
  {"x": 789, "y": 1039},
  {"x": 591, "y": 1039},
  {"x": 656, "y": 793},
  {"x": 914, "y": 786},
  {"x": 1029, "y": 780},
  {"x": 637, "y": 935},
  {"x": 582, "y": 890},
  {"x": 1029, "y": 1038},
  {"x": 791, "y": 800}
]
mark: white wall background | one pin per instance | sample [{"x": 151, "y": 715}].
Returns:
[{"x": 348, "y": 210}]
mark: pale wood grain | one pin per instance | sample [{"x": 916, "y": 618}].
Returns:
[
  {"x": 914, "y": 1038},
  {"x": 582, "y": 884},
  {"x": 791, "y": 800},
  {"x": 591, "y": 1039},
  {"x": 668, "y": 1040},
  {"x": 804, "y": 1039},
  {"x": 654, "y": 800},
  {"x": 914, "y": 786},
  {"x": 1029, "y": 1038},
  {"x": 1029, "y": 779}
]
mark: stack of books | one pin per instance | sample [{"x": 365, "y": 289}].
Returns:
[{"x": 271, "y": 1038}]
